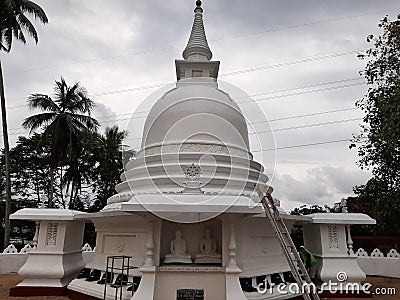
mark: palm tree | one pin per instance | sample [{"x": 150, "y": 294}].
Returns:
[
  {"x": 109, "y": 164},
  {"x": 14, "y": 23},
  {"x": 64, "y": 120}
]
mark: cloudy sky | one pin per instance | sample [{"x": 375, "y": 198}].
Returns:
[{"x": 296, "y": 57}]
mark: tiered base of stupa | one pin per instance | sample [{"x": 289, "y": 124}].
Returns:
[{"x": 249, "y": 250}]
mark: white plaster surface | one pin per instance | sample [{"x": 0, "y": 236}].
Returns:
[
  {"x": 326, "y": 237},
  {"x": 380, "y": 266},
  {"x": 341, "y": 218},
  {"x": 11, "y": 262},
  {"x": 57, "y": 258},
  {"x": 36, "y": 214}
]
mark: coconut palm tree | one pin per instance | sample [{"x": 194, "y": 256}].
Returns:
[
  {"x": 107, "y": 154},
  {"x": 65, "y": 118},
  {"x": 14, "y": 24}
]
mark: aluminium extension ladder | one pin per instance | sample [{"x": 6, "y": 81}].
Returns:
[{"x": 297, "y": 267}]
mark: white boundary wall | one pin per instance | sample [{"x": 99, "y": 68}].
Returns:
[
  {"x": 11, "y": 260},
  {"x": 378, "y": 264}
]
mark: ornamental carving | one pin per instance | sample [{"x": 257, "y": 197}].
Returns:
[
  {"x": 192, "y": 172},
  {"x": 51, "y": 235},
  {"x": 189, "y": 269},
  {"x": 193, "y": 148},
  {"x": 333, "y": 237},
  {"x": 192, "y": 184}
]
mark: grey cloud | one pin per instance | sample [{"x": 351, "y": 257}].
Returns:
[
  {"x": 82, "y": 36},
  {"x": 320, "y": 185}
]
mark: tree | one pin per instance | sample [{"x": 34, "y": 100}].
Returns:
[
  {"x": 14, "y": 23},
  {"x": 29, "y": 170},
  {"x": 312, "y": 209},
  {"x": 64, "y": 121},
  {"x": 108, "y": 157},
  {"x": 379, "y": 138}
]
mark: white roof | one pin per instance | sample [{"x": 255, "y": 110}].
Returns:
[
  {"x": 54, "y": 214},
  {"x": 341, "y": 218}
]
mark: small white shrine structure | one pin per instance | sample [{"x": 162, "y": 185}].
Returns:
[{"x": 185, "y": 209}]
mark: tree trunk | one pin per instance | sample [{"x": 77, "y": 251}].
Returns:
[
  {"x": 37, "y": 189},
  {"x": 71, "y": 197},
  {"x": 61, "y": 189},
  {"x": 7, "y": 227},
  {"x": 51, "y": 191}
]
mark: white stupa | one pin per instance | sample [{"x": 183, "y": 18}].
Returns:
[
  {"x": 185, "y": 210},
  {"x": 194, "y": 172},
  {"x": 193, "y": 128}
]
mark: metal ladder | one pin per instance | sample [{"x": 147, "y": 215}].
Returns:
[{"x": 296, "y": 265}]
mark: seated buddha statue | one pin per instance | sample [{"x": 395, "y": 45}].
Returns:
[
  {"x": 178, "y": 251},
  {"x": 208, "y": 250}
]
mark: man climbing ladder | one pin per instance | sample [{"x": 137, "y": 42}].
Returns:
[{"x": 293, "y": 258}]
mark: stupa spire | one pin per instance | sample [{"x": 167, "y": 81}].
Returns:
[{"x": 197, "y": 48}]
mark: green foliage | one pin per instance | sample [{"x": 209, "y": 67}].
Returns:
[
  {"x": 383, "y": 203},
  {"x": 14, "y": 22},
  {"x": 380, "y": 136},
  {"x": 307, "y": 210},
  {"x": 29, "y": 170},
  {"x": 109, "y": 167},
  {"x": 65, "y": 120},
  {"x": 99, "y": 166}
]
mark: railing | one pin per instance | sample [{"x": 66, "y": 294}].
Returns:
[
  {"x": 11, "y": 260},
  {"x": 379, "y": 264}
]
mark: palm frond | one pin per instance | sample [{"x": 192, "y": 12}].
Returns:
[
  {"x": 33, "y": 9},
  {"x": 14, "y": 22},
  {"x": 60, "y": 90},
  {"x": 18, "y": 33},
  {"x": 113, "y": 133},
  {"x": 43, "y": 102},
  {"x": 88, "y": 122},
  {"x": 82, "y": 104},
  {"x": 6, "y": 39},
  {"x": 28, "y": 26},
  {"x": 36, "y": 121}
]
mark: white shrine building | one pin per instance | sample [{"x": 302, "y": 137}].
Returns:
[{"x": 185, "y": 210}]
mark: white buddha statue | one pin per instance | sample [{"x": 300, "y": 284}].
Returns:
[
  {"x": 178, "y": 251},
  {"x": 208, "y": 250}
]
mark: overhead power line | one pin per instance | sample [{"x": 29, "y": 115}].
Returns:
[
  {"x": 250, "y": 123},
  {"x": 307, "y": 126},
  {"x": 253, "y": 69},
  {"x": 258, "y": 132},
  {"x": 291, "y": 63},
  {"x": 303, "y": 145},
  {"x": 141, "y": 52},
  {"x": 309, "y": 115},
  {"x": 305, "y": 92}
]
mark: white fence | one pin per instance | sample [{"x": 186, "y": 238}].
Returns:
[
  {"x": 378, "y": 264},
  {"x": 11, "y": 260}
]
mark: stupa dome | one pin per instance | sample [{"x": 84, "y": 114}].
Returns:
[{"x": 196, "y": 111}]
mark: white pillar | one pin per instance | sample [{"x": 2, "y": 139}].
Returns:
[
  {"x": 232, "y": 248},
  {"x": 233, "y": 288},
  {"x": 328, "y": 238},
  {"x": 349, "y": 241},
  {"x": 36, "y": 236},
  {"x": 148, "y": 281},
  {"x": 57, "y": 257},
  {"x": 149, "y": 261}
]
